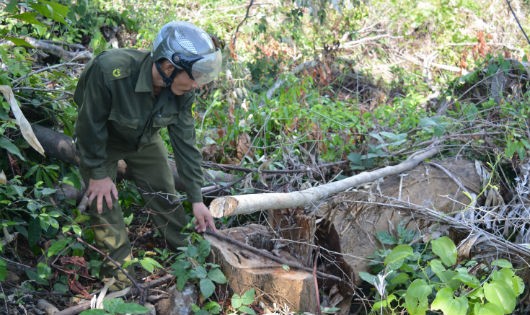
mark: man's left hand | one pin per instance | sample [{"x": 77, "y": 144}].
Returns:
[{"x": 203, "y": 217}]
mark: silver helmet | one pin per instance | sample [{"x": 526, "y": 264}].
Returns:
[{"x": 188, "y": 48}]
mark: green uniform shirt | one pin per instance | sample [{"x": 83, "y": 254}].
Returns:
[{"x": 117, "y": 108}]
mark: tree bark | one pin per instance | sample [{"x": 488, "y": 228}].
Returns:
[
  {"x": 58, "y": 51},
  {"x": 245, "y": 204}
]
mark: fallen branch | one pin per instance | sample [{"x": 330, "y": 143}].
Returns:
[
  {"x": 483, "y": 236},
  {"x": 76, "y": 309},
  {"x": 364, "y": 40},
  {"x": 47, "y": 307},
  {"x": 244, "y": 204}
]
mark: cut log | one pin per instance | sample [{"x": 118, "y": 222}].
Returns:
[
  {"x": 245, "y": 204},
  {"x": 273, "y": 284},
  {"x": 82, "y": 56},
  {"x": 62, "y": 147}
]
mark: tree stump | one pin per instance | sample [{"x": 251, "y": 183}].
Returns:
[{"x": 286, "y": 288}]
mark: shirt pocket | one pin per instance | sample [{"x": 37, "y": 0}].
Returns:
[
  {"x": 125, "y": 128},
  {"x": 125, "y": 121},
  {"x": 161, "y": 120}
]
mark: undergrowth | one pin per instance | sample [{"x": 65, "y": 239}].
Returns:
[{"x": 305, "y": 83}]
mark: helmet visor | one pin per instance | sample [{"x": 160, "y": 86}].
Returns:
[{"x": 202, "y": 69}]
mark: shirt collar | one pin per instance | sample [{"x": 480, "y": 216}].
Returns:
[{"x": 145, "y": 78}]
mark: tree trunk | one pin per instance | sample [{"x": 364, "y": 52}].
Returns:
[{"x": 245, "y": 204}]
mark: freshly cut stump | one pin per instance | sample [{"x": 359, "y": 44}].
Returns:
[{"x": 292, "y": 289}]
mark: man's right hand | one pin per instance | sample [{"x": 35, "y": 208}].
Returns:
[{"x": 100, "y": 189}]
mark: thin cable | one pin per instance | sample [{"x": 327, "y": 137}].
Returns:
[{"x": 517, "y": 20}]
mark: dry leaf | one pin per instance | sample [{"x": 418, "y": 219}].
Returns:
[{"x": 23, "y": 123}]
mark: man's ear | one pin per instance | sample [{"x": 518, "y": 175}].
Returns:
[{"x": 167, "y": 67}]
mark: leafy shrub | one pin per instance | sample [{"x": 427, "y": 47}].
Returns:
[
  {"x": 191, "y": 267},
  {"x": 427, "y": 277}
]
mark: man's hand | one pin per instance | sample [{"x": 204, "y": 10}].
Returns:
[
  {"x": 203, "y": 217},
  {"x": 100, "y": 189}
]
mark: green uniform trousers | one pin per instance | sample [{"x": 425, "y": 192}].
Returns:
[{"x": 152, "y": 175}]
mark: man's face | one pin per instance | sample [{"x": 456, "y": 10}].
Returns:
[{"x": 183, "y": 84}]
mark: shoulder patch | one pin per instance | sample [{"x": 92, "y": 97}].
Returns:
[{"x": 118, "y": 73}]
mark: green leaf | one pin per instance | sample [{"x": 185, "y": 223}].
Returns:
[
  {"x": 467, "y": 279},
  {"x": 246, "y": 310},
  {"x": 192, "y": 251},
  {"x": 199, "y": 272},
  {"x": 3, "y": 270},
  {"x": 397, "y": 256},
  {"x": 60, "y": 288},
  {"x": 94, "y": 312},
  {"x": 217, "y": 276},
  {"x": 509, "y": 277},
  {"x": 439, "y": 270},
  {"x": 180, "y": 267},
  {"x": 150, "y": 264},
  {"x": 370, "y": 278},
  {"x": 383, "y": 304},
  {"x": 11, "y": 6},
  {"x": 490, "y": 309},
  {"x": 48, "y": 191},
  {"x": 386, "y": 238},
  {"x": 181, "y": 281},
  {"x": 29, "y": 17},
  {"x": 5, "y": 143},
  {"x": 207, "y": 287},
  {"x": 236, "y": 301},
  {"x": 212, "y": 307},
  {"x": 131, "y": 308},
  {"x": 18, "y": 41},
  {"x": 503, "y": 263},
  {"x": 448, "y": 304},
  {"x": 445, "y": 248},
  {"x": 51, "y": 10},
  {"x": 111, "y": 305},
  {"x": 57, "y": 246},
  {"x": 500, "y": 294},
  {"x": 400, "y": 278},
  {"x": 203, "y": 250},
  {"x": 248, "y": 297},
  {"x": 417, "y": 297}
]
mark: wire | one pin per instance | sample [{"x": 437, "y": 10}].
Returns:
[{"x": 517, "y": 20}]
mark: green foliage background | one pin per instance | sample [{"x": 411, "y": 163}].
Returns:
[{"x": 362, "y": 82}]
